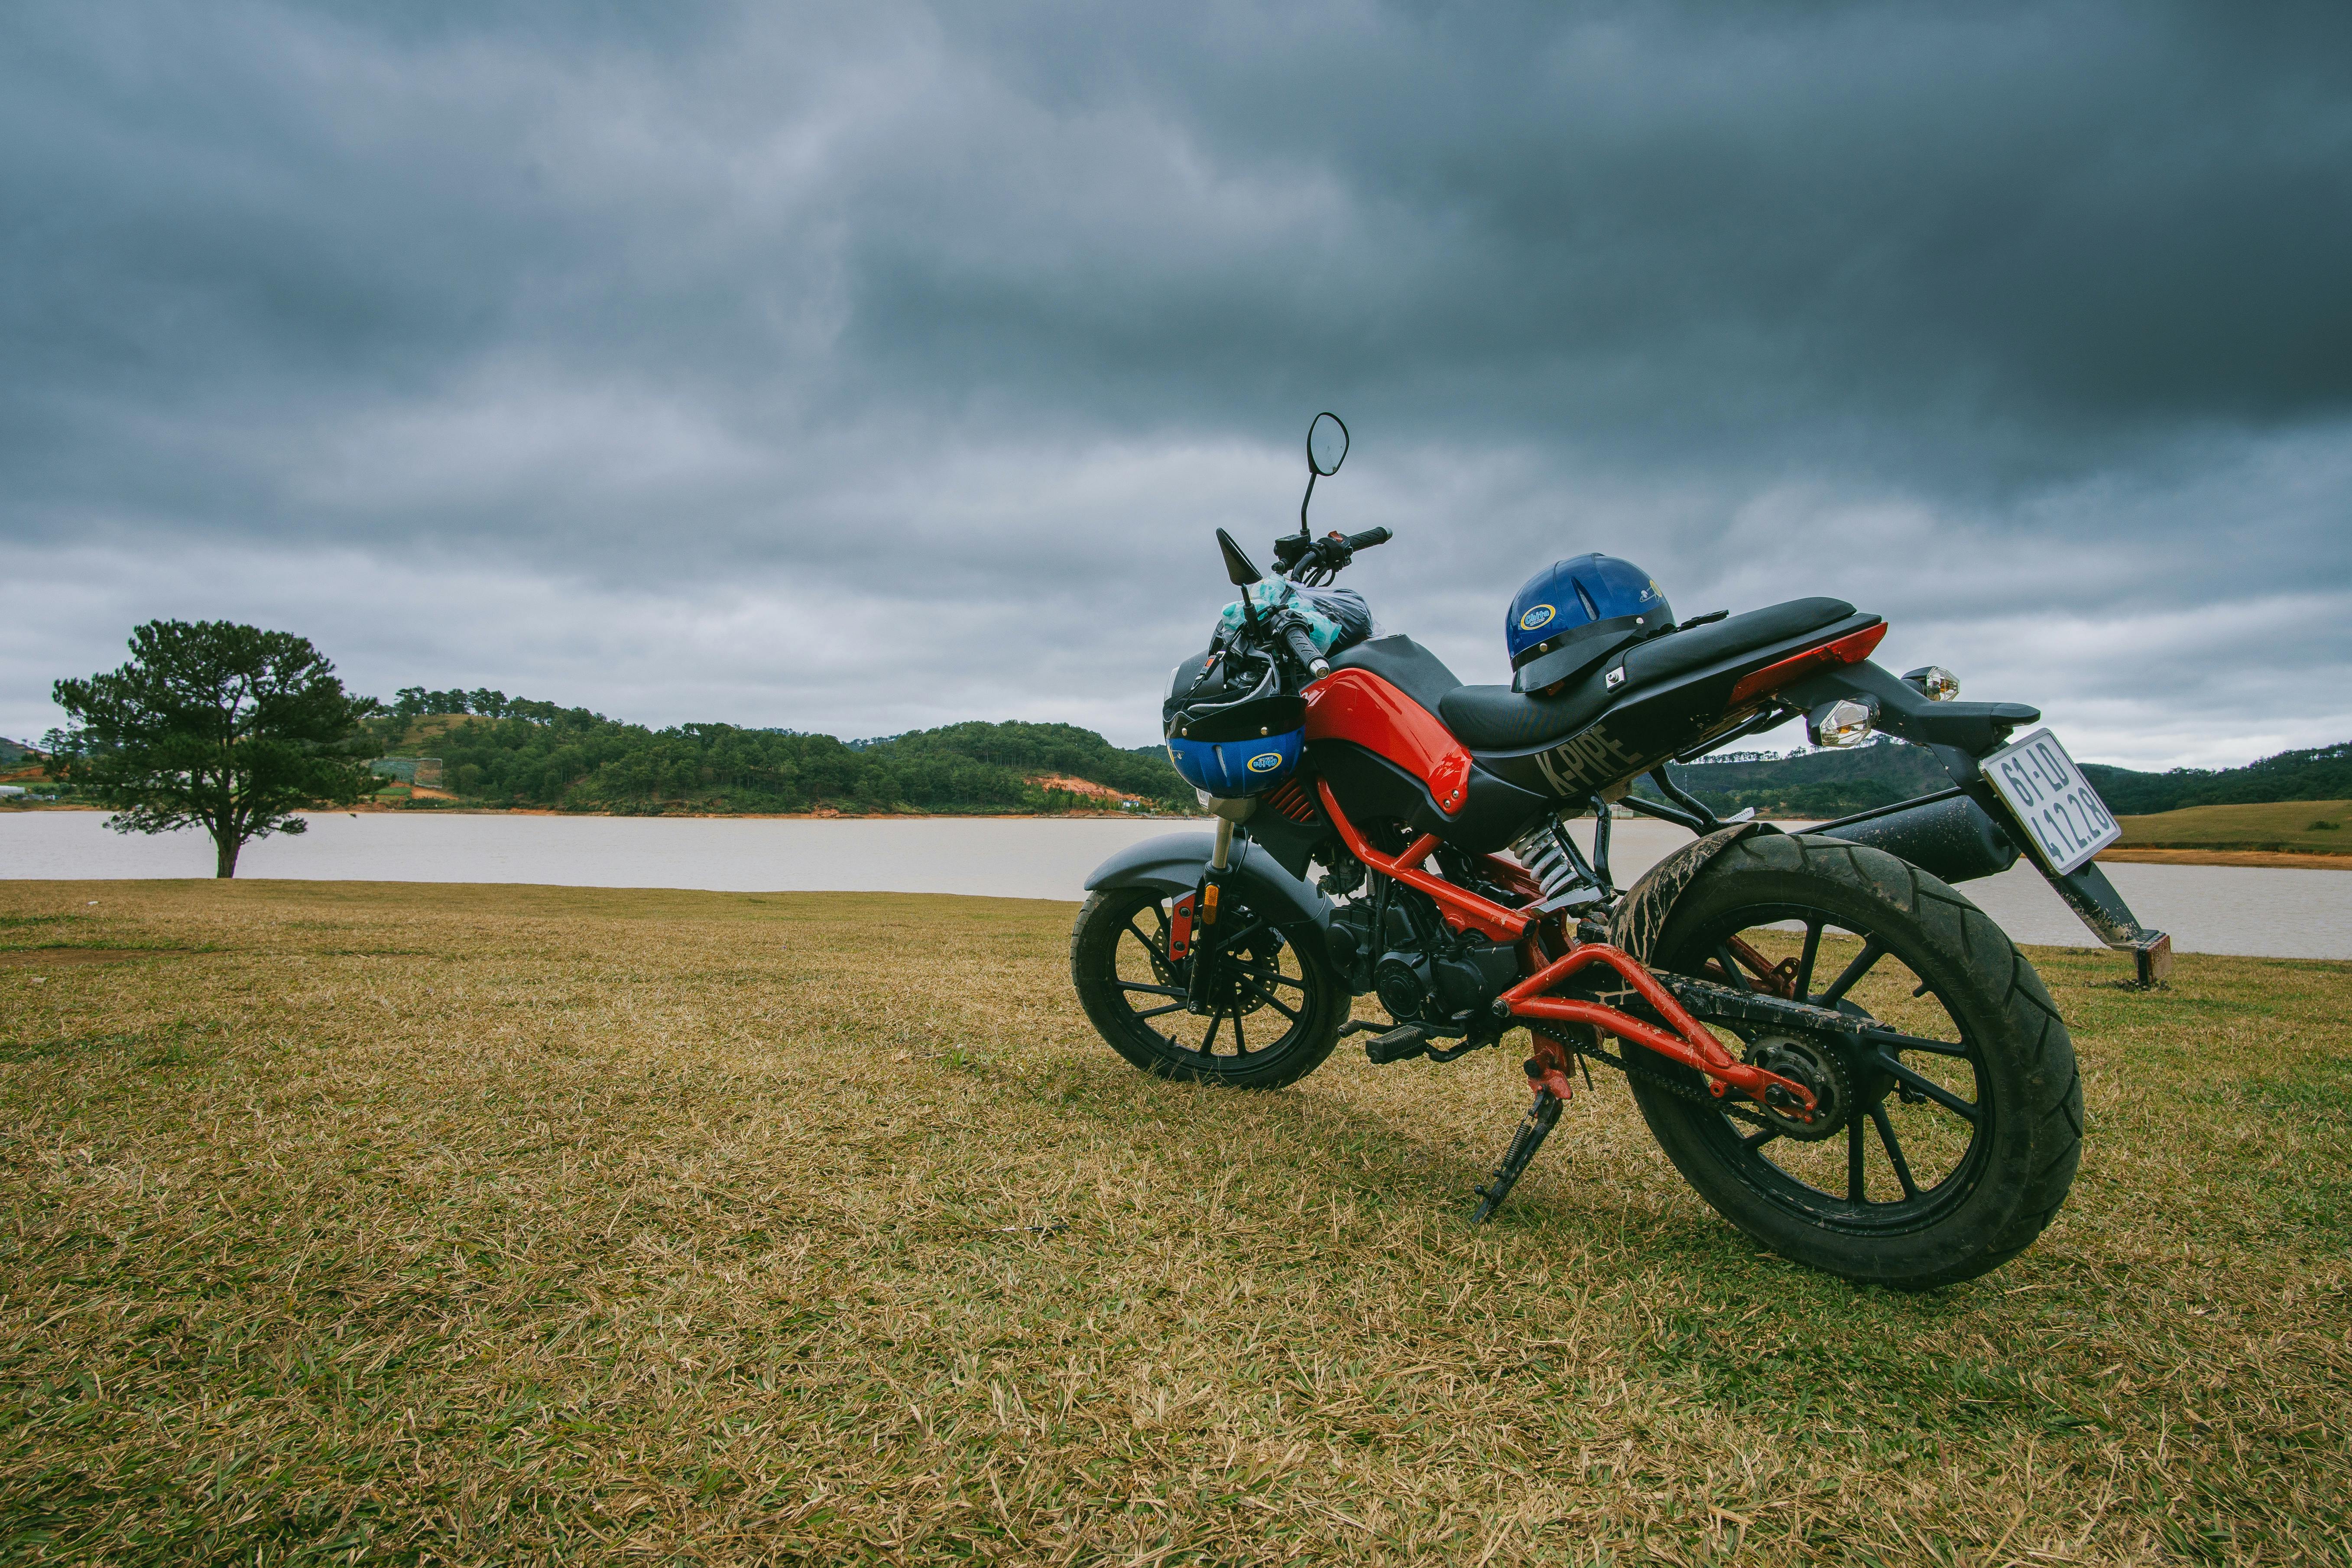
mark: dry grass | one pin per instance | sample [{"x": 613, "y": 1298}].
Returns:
[
  {"x": 2305, "y": 827},
  {"x": 456, "y": 1225}
]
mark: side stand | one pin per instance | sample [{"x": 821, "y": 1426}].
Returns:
[
  {"x": 1548, "y": 1076},
  {"x": 1533, "y": 1128}
]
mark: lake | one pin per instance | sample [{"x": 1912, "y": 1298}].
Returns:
[{"x": 2208, "y": 909}]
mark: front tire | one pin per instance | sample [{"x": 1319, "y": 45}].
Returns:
[
  {"x": 1946, "y": 1155},
  {"x": 1282, "y": 983}
]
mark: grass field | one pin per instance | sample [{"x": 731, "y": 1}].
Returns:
[
  {"x": 2308, "y": 826},
  {"x": 432, "y": 1224}
]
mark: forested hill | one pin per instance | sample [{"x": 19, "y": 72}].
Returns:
[
  {"x": 1832, "y": 783},
  {"x": 500, "y": 752},
  {"x": 2316, "y": 772}
]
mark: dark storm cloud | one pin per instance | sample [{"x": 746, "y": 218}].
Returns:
[{"x": 839, "y": 341}]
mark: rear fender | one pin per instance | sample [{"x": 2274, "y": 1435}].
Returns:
[
  {"x": 1642, "y": 913},
  {"x": 1175, "y": 862}
]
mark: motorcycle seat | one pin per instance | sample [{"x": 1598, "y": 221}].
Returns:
[{"x": 1497, "y": 719}]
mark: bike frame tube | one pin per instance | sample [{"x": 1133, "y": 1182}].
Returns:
[
  {"x": 1690, "y": 1044},
  {"x": 1460, "y": 907}
]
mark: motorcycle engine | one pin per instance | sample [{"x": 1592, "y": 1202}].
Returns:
[
  {"x": 1418, "y": 981},
  {"x": 1419, "y": 989}
]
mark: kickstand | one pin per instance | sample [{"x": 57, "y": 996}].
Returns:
[{"x": 1533, "y": 1127}]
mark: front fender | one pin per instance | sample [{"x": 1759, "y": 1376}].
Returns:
[{"x": 1174, "y": 862}]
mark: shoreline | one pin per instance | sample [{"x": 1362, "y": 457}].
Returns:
[
  {"x": 2144, "y": 855},
  {"x": 371, "y": 808},
  {"x": 2276, "y": 859}
]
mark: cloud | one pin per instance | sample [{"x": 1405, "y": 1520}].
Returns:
[{"x": 858, "y": 369}]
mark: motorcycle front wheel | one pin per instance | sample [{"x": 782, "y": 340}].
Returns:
[
  {"x": 1273, "y": 1010},
  {"x": 1951, "y": 1134}
]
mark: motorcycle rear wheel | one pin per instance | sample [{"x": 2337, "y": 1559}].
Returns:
[
  {"x": 1284, "y": 986},
  {"x": 1947, "y": 1155}
]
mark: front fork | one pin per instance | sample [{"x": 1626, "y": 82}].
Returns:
[{"x": 1196, "y": 927}]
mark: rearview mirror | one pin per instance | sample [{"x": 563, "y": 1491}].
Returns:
[
  {"x": 1238, "y": 566},
  {"x": 1326, "y": 444}
]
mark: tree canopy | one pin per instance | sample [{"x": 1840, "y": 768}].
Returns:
[
  {"x": 225, "y": 727},
  {"x": 527, "y": 753}
]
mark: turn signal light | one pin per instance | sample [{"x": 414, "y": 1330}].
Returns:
[
  {"x": 1941, "y": 684},
  {"x": 1844, "y": 722}
]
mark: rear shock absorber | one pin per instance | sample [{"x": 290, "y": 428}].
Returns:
[{"x": 1552, "y": 859}]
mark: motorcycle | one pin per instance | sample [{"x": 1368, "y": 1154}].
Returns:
[{"x": 1849, "y": 1060}]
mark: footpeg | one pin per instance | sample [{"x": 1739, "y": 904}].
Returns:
[{"x": 1399, "y": 1044}]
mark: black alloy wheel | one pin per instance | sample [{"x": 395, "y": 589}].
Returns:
[
  {"x": 1274, "y": 1004},
  {"x": 1946, "y": 1131}
]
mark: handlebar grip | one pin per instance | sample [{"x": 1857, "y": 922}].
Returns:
[
  {"x": 1302, "y": 647},
  {"x": 1368, "y": 538}
]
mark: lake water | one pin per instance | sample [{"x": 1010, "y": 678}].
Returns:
[{"x": 2208, "y": 909}]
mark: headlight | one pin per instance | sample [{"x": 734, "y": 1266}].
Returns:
[{"x": 1844, "y": 722}]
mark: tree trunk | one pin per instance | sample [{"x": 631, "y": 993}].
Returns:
[{"x": 228, "y": 846}]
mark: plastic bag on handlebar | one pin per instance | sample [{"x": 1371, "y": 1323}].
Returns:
[
  {"x": 1344, "y": 608},
  {"x": 1335, "y": 617},
  {"x": 1270, "y": 597}
]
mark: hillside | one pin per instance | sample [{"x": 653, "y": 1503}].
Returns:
[
  {"x": 2314, "y": 774},
  {"x": 2305, "y": 826},
  {"x": 536, "y": 754}
]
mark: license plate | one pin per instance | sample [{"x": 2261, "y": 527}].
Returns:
[{"x": 2068, "y": 820}]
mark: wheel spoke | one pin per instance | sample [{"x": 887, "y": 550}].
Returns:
[
  {"x": 1155, "y": 1012},
  {"x": 1870, "y": 954},
  {"x": 1732, "y": 973},
  {"x": 1276, "y": 1004},
  {"x": 1155, "y": 990},
  {"x": 1893, "y": 1149},
  {"x": 1805, "y": 961},
  {"x": 1887, "y": 1040},
  {"x": 1227, "y": 942},
  {"x": 1853, "y": 1163},
  {"x": 1757, "y": 1139},
  {"x": 1966, "y": 1109},
  {"x": 1240, "y": 1041},
  {"x": 1209, "y": 1045}
]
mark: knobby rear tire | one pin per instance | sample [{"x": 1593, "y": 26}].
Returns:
[{"x": 1997, "y": 1199}]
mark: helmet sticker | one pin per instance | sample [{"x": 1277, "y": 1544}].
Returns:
[
  {"x": 1266, "y": 762},
  {"x": 1537, "y": 616}
]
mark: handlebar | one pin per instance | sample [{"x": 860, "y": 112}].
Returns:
[
  {"x": 1368, "y": 538},
  {"x": 1302, "y": 648}
]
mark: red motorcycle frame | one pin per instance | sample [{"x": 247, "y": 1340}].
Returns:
[{"x": 1359, "y": 707}]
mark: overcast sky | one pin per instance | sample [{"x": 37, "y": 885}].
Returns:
[{"x": 859, "y": 368}]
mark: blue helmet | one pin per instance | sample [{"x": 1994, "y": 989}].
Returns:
[
  {"x": 1575, "y": 613},
  {"x": 1232, "y": 732}
]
